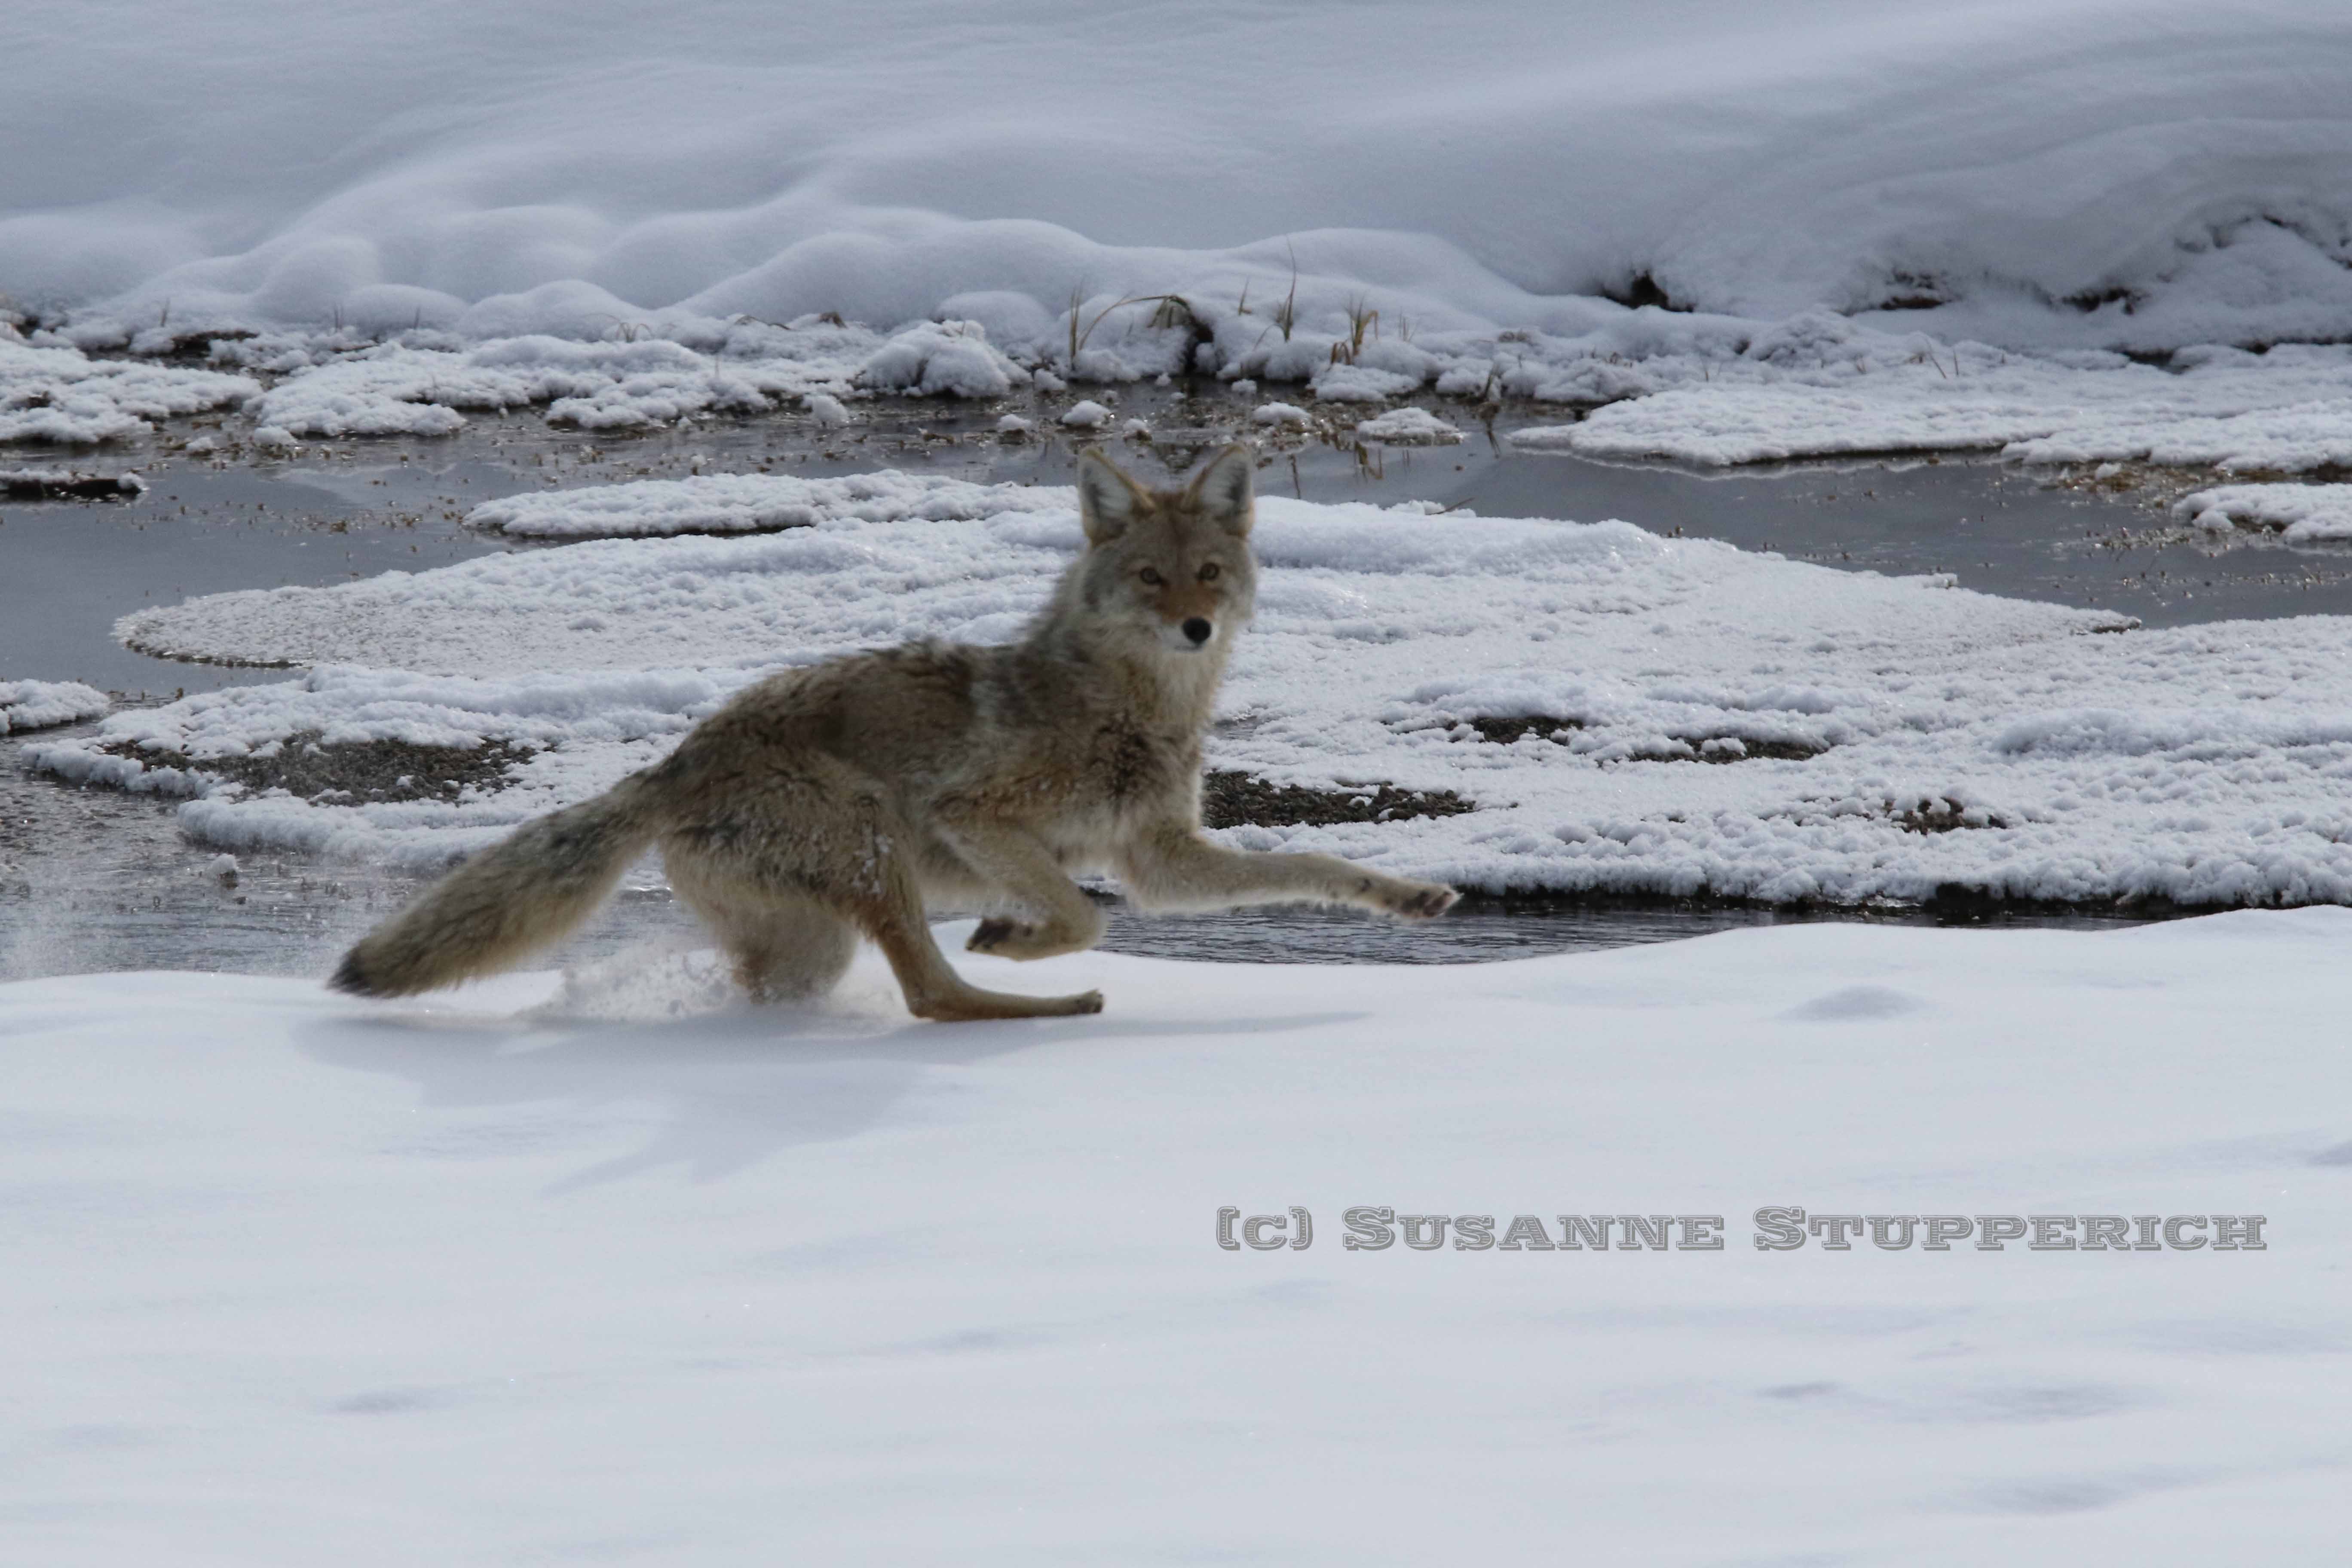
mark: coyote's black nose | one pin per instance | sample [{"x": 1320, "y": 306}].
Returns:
[{"x": 1197, "y": 629}]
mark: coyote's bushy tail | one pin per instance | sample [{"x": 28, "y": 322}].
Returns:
[{"x": 515, "y": 897}]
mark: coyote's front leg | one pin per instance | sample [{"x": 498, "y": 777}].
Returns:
[
  {"x": 1172, "y": 866},
  {"x": 1014, "y": 862}
]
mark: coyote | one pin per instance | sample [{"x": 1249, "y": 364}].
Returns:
[{"x": 830, "y": 802}]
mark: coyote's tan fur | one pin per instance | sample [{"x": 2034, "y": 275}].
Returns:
[{"x": 831, "y": 802}]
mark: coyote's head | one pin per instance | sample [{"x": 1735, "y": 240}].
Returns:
[{"x": 1171, "y": 569}]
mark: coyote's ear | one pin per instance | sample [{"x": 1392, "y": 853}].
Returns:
[
  {"x": 1225, "y": 489},
  {"x": 1108, "y": 499}
]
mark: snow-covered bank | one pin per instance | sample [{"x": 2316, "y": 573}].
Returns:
[
  {"x": 292, "y": 1278},
  {"x": 43, "y": 704},
  {"x": 1628, "y": 713},
  {"x": 2085, "y": 172},
  {"x": 1871, "y": 228},
  {"x": 1704, "y": 390}
]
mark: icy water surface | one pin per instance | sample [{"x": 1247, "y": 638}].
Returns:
[{"x": 103, "y": 881}]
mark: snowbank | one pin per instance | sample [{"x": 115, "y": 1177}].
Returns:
[
  {"x": 41, "y": 704},
  {"x": 2082, "y": 171},
  {"x": 827, "y": 1286},
  {"x": 1630, "y": 713},
  {"x": 2302, "y": 514}
]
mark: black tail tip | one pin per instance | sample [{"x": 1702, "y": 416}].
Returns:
[{"x": 349, "y": 976}]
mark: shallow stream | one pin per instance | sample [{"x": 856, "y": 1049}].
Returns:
[{"x": 92, "y": 879}]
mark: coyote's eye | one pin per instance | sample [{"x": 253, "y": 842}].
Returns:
[
  {"x": 1152, "y": 575},
  {"x": 1209, "y": 572}
]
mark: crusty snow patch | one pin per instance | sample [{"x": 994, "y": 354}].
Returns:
[
  {"x": 48, "y": 484},
  {"x": 1409, "y": 427},
  {"x": 1087, "y": 415},
  {"x": 42, "y": 704},
  {"x": 2302, "y": 514},
  {"x": 56, "y": 394},
  {"x": 942, "y": 358},
  {"x": 1822, "y": 386},
  {"x": 752, "y": 503}
]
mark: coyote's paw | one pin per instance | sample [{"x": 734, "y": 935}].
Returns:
[
  {"x": 1416, "y": 900},
  {"x": 1019, "y": 940},
  {"x": 992, "y": 933}
]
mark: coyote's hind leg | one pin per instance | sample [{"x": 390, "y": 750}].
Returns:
[
  {"x": 819, "y": 841},
  {"x": 785, "y": 945}
]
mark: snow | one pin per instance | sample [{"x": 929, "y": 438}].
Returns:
[
  {"x": 42, "y": 704},
  {"x": 582, "y": 732},
  {"x": 58, "y": 394},
  {"x": 2302, "y": 514},
  {"x": 1675, "y": 717},
  {"x": 942, "y": 359},
  {"x": 1833, "y": 389},
  {"x": 395, "y": 388},
  {"x": 391, "y": 173},
  {"x": 1409, "y": 427},
  {"x": 48, "y": 484},
  {"x": 1707, "y": 390},
  {"x": 1979, "y": 209},
  {"x": 747, "y": 503},
  {"x": 610, "y": 1265}
]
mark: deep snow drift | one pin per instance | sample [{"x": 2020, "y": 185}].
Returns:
[
  {"x": 189, "y": 165},
  {"x": 1628, "y": 713},
  {"x": 504, "y": 1277}
]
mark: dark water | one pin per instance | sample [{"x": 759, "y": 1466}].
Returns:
[{"x": 97, "y": 881}]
